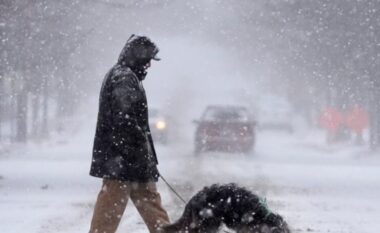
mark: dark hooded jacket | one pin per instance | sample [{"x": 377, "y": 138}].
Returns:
[{"x": 123, "y": 146}]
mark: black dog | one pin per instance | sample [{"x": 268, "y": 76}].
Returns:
[{"x": 236, "y": 207}]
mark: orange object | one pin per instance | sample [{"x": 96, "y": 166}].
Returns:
[
  {"x": 357, "y": 119},
  {"x": 331, "y": 119}
]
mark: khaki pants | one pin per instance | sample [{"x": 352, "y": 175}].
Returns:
[{"x": 113, "y": 198}]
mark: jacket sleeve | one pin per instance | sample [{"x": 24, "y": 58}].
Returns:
[{"x": 125, "y": 94}]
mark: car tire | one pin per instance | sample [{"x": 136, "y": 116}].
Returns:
[{"x": 248, "y": 150}]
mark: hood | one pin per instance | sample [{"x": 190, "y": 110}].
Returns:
[{"x": 137, "y": 52}]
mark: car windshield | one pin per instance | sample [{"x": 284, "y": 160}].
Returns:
[{"x": 226, "y": 114}]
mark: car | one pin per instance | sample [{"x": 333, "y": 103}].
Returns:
[
  {"x": 159, "y": 127},
  {"x": 227, "y": 128}
]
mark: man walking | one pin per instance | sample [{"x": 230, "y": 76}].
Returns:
[{"x": 124, "y": 154}]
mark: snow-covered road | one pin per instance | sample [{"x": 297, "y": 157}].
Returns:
[{"x": 46, "y": 188}]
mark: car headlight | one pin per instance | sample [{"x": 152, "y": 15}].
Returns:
[{"x": 160, "y": 125}]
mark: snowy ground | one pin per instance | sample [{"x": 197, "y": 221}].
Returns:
[{"x": 46, "y": 188}]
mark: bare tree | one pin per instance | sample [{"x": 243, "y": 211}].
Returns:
[{"x": 39, "y": 39}]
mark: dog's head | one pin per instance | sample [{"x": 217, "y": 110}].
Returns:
[
  {"x": 195, "y": 222},
  {"x": 273, "y": 223},
  {"x": 269, "y": 229}
]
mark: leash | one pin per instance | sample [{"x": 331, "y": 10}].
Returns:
[{"x": 173, "y": 190}]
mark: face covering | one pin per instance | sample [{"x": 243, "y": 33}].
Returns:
[
  {"x": 140, "y": 68},
  {"x": 140, "y": 72}
]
